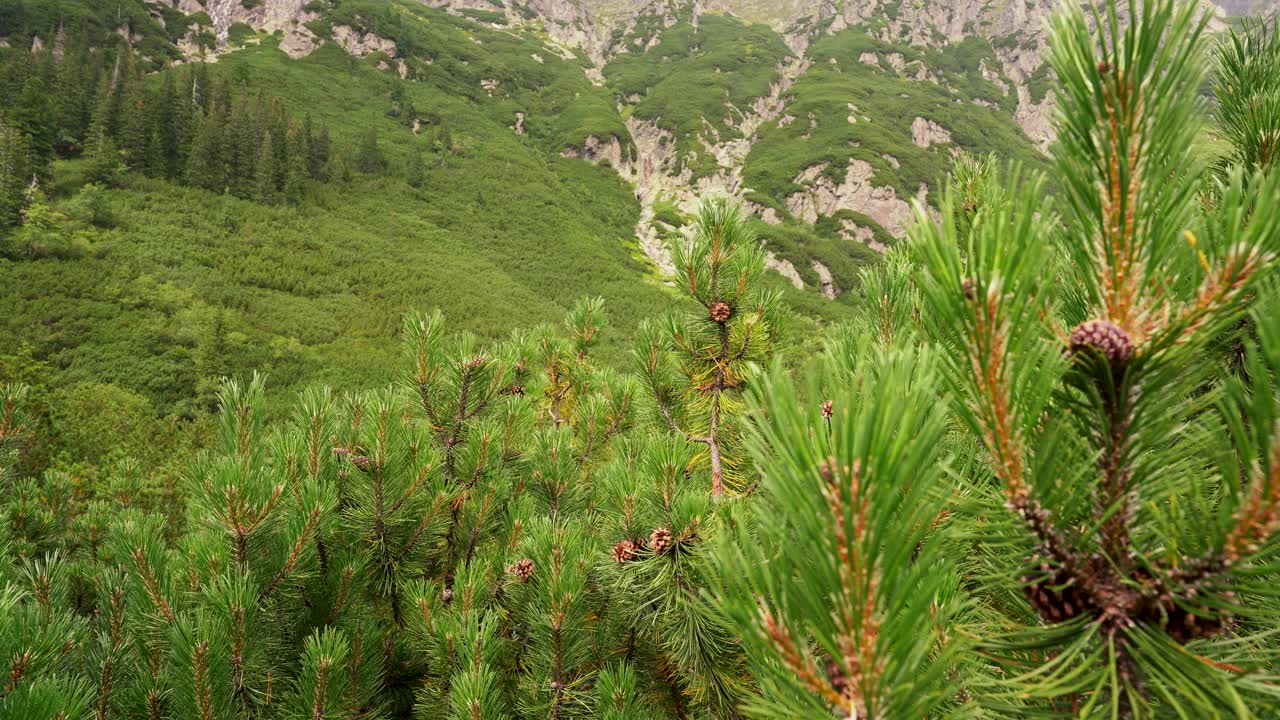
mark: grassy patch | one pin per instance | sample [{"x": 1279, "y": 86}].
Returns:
[{"x": 690, "y": 78}]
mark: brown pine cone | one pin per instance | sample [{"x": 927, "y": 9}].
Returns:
[
  {"x": 1102, "y": 337},
  {"x": 624, "y": 552},
  {"x": 363, "y": 463},
  {"x": 522, "y": 570},
  {"x": 660, "y": 540},
  {"x": 828, "y": 409},
  {"x": 1054, "y": 596},
  {"x": 720, "y": 311},
  {"x": 839, "y": 681}
]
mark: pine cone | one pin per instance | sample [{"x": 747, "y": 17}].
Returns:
[
  {"x": 1054, "y": 596},
  {"x": 660, "y": 540},
  {"x": 839, "y": 681},
  {"x": 720, "y": 311},
  {"x": 1102, "y": 337},
  {"x": 967, "y": 287},
  {"x": 624, "y": 552},
  {"x": 362, "y": 462},
  {"x": 522, "y": 570},
  {"x": 446, "y": 597},
  {"x": 828, "y": 409},
  {"x": 1184, "y": 626}
]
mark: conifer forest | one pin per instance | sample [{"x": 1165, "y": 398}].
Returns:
[{"x": 653, "y": 360}]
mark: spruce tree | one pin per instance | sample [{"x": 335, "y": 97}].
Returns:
[
  {"x": 296, "y": 171},
  {"x": 416, "y": 171},
  {"x": 369, "y": 158},
  {"x": 265, "y": 188},
  {"x": 205, "y": 165},
  {"x": 34, "y": 117},
  {"x": 134, "y": 120},
  {"x": 72, "y": 95},
  {"x": 16, "y": 172}
]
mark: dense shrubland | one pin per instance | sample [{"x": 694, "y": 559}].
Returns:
[{"x": 1035, "y": 475}]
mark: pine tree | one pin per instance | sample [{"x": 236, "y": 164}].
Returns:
[
  {"x": 265, "y": 188},
  {"x": 416, "y": 172},
  {"x": 369, "y": 158},
  {"x": 15, "y": 174},
  {"x": 167, "y": 114},
  {"x": 1247, "y": 87},
  {"x": 34, "y": 117},
  {"x": 105, "y": 165},
  {"x": 696, "y": 368},
  {"x": 318, "y": 160},
  {"x": 72, "y": 95},
  {"x": 205, "y": 166},
  {"x": 104, "y": 121},
  {"x": 135, "y": 127},
  {"x": 296, "y": 172}
]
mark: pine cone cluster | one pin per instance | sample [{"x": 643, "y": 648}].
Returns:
[
  {"x": 625, "y": 551},
  {"x": 720, "y": 311},
  {"x": 1104, "y": 338},
  {"x": 661, "y": 540},
  {"x": 523, "y": 570}
]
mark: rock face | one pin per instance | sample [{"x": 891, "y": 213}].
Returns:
[
  {"x": 927, "y": 133},
  {"x": 286, "y": 16},
  {"x": 822, "y": 197},
  {"x": 362, "y": 44}
]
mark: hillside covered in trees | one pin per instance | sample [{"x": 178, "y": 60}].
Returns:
[{"x": 456, "y": 360}]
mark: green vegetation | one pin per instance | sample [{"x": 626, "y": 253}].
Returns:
[
  {"x": 501, "y": 72},
  {"x": 883, "y": 105},
  {"x": 181, "y": 286},
  {"x": 158, "y": 25},
  {"x": 1035, "y": 473},
  {"x": 695, "y": 78},
  {"x": 495, "y": 534}
]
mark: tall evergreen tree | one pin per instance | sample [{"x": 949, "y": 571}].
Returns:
[
  {"x": 296, "y": 171},
  {"x": 72, "y": 95},
  {"x": 265, "y": 187},
  {"x": 135, "y": 121},
  {"x": 34, "y": 117},
  {"x": 16, "y": 171},
  {"x": 318, "y": 160},
  {"x": 206, "y": 167},
  {"x": 369, "y": 158},
  {"x": 416, "y": 172}
]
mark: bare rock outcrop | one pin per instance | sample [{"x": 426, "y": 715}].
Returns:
[
  {"x": 361, "y": 44},
  {"x": 823, "y": 198},
  {"x": 927, "y": 133}
]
